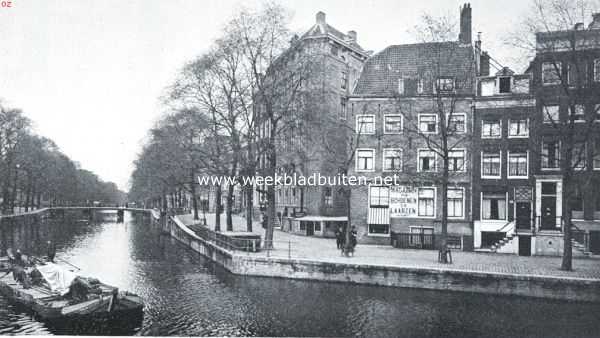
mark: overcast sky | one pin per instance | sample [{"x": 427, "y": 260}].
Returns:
[{"x": 89, "y": 73}]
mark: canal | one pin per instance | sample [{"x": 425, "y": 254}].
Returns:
[{"x": 186, "y": 296}]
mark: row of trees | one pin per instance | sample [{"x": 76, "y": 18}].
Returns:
[
  {"x": 34, "y": 172},
  {"x": 225, "y": 112}
]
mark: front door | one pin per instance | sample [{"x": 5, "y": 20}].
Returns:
[
  {"x": 595, "y": 242},
  {"x": 524, "y": 246},
  {"x": 548, "y": 207},
  {"x": 548, "y": 213},
  {"x": 523, "y": 215},
  {"x": 310, "y": 228}
]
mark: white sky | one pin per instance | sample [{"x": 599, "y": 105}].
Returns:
[{"x": 89, "y": 73}]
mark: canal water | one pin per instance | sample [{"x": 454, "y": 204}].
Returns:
[{"x": 187, "y": 296}]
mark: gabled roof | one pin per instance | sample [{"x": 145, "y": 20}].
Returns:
[
  {"x": 325, "y": 30},
  {"x": 421, "y": 60}
]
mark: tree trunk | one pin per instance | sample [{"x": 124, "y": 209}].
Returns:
[
  {"x": 218, "y": 208},
  {"x": 194, "y": 201},
  {"x": 28, "y": 192},
  {"x": 567, "y": 259},
  {"x": 347, "y": 242},
  {"x": 229, "y": 207},
  {"x": 249, "y": 206}
]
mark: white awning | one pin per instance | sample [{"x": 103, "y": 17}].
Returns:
[
  {"x": 322, "y": 218},
  {"x": 379, "y": 216}
]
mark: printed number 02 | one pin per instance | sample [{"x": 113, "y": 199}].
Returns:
[{"x": 6, "y": 4}]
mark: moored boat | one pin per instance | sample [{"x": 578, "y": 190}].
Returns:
[{"x": 52, "y": 291}]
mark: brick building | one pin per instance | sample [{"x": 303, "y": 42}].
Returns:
[
  {"x": 502, "y": 170},
  {"x": 316, "y": 210},
  {"x": 566, "y": 85},
  {"x": 394, "y": 110}
]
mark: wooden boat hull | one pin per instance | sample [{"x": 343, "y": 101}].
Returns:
[{"x": 46, "y": 305}]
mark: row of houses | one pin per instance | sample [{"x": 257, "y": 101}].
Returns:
[{"x": 505, "y": 185}]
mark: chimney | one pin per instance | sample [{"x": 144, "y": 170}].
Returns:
[
  {"x": 484, "y": 64},
  {"x": 320, "y": 17},
  {"x": 352, "y": 36},
  {"x": 596, "y": 21},
  {"x": 465, "y": 24}
]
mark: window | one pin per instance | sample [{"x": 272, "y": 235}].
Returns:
[
  {"x": 577, "y": 203},
  {"x": 493, "y": 206},
  {"x": 426, "y": 161},
  {"x": 328, "y": 196},
  {"x": 343, "y": 109},
  {"x": 401, "y": 86},
  {"x": 504, "y": 84},
  {"x": 364, "y": 159},
  {"x": 344, "y": 80},
  {"x": 445, "y": 84},
  {"x": 597, "y": 70},
  {"x": 426, "y": 202},
  {"x": 596, "y": 112},
  {"x": 578, "y": 156},
  {"x": 365, "y": 124},
  {"x": 597, "y": 155},
  {"x": 518, "y": 128},
  {"x": 551, "y": 114},
  {"x": 420, "y": 86},
  {"x": 428, "y": 123},
  {"x": 380, "y": 197},
  {"x": 456, "y": 159},
  {"x": 550, "y": 154},
  {"x": 456, "y": 203},
  {"x": 392, "y": 159},
  {"x": 491, "y": 129},
  {"x": 392, "y": 124},
  {"x": 490, "y": 165},
  {"x": 576, "y": 74},
  {"x": 551, "y": 72},
  {"x": 457, "y": 123},
  {"x": 421, "y": 236},
  {"x": 517, "y": 165},
  {"x": 579, "y": 115}
]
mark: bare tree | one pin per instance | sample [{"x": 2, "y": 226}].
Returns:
[{"x": 553, "y": 33}]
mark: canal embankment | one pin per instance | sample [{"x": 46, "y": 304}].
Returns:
[{"x": 385, "y": 266}]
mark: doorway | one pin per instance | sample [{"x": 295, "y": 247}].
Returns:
[
  {"x": 595, "y": 242},
  {"x": 524, "y": 245},
  {"x": 548, "y": 221},
  {"x": 523, "y": 215}
]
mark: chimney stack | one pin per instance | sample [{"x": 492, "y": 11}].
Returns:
[
  {"x": 320, "y": 17},
  {"x": 352, "y": 36},
  {"x": 465, "y": 24}
]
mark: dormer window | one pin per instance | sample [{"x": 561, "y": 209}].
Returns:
[
  {"x": 504, "y": 84},
  {"x": 445, "y": 84}
]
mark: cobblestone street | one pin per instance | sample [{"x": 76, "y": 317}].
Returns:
[{"x": 324, "y": 250}]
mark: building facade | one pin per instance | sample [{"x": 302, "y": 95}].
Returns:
[
  {"x": 503, "y": 184},
  {"x": 316, "y": 210},
  {"x": 566, "y": 80},
  {"x": 396, "y": 112}
]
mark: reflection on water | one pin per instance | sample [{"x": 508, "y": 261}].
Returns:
[{"x": 185, "y": 295}]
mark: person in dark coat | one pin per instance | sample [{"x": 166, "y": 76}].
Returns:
[
  {"x": 51, "y": 251},
  {"x": 339, "y": 237},
  {"x": 353, "y": 235}
]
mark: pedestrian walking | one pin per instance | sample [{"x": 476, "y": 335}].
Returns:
[{"x": 339, "y": 237}]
